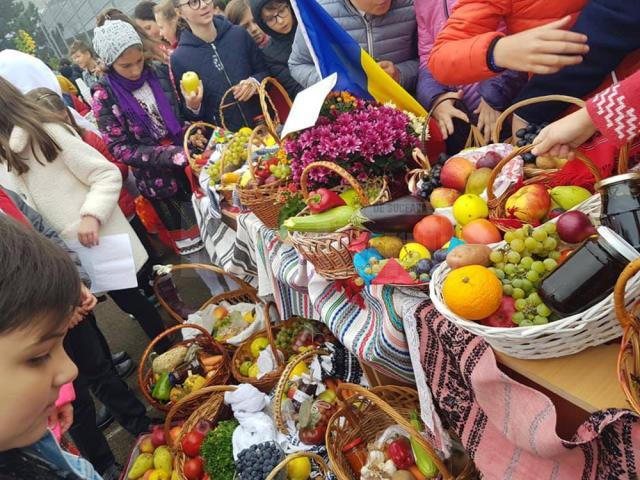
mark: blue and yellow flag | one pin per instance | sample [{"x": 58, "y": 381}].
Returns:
[{"x": 334, "y": 51}]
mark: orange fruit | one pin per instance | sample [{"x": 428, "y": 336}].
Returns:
[{"x": 472, "y": 292}]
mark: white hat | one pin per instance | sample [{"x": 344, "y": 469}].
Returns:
[{"x": 113, "y": 38}]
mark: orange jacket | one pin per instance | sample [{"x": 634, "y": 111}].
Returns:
[{"x": 460, "y": 52}]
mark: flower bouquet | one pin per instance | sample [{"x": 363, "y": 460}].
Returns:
[{"x": 365, "y": 138}]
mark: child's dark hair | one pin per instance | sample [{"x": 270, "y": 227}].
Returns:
[
  {"x": 39, "y": 282},
  {"x": 79, "y": 46},
  {"x": 144, "y": 11},
  {"x": 235, "y": 9}
]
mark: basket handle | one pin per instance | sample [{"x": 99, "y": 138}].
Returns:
[
  {"x": 195, "y": 266},
  {"x": 399, "y": 419},
  {"x": 531, "y": 101},
  {"x": 521, "y": 150},
  {"x": 154, "y": 342},
  {"x": 266, "y": 102},
  {"x": 626, "y": 318},
  {"x": 475, "y": 138},
  {"x": 313, "y": 456},
  {"x": 224, "y": 106},
  {"x": 334, "y": 167},
  {"x": 206, "y": 391},
  {"x": 270, "y": 337},
  {"x": 282, "y": 383},
  {"x": 623, "y": 158}
]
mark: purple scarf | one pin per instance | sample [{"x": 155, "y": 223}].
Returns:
[{"x": 123, "y": 89}]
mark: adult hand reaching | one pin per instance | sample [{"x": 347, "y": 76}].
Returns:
[
  {"x": 244, "y": 90},
  {"x": 563, "y": 136},
  {"x": 542, "y": 50},
  {"x": 390, "y": 69},
  {"x": 445, "y": 112}
]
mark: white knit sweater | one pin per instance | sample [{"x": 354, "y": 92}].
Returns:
[{"x": 79, "y": 182}]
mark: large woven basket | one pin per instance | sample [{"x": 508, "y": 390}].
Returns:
[
  {"x": 272, "y": 118},
  {"x": 204, "y": 339},
  {"x": 329, "y": 252},
  {"x": 366, "y": 414},
  {"x": 497, "y": 205},
  {"x": 321, "y": 465},
  {"x": 569, "y": 335},
  {"x": 261, "y": 200},
  {"x": 532, "y": 171},
  {"x": 245, "y": 293},
  {"x": 629, "y": 356},
  {"x": 205, "y": 404},
  {"x": 265, "y": 383}
]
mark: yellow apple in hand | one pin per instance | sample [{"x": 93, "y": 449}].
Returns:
[{"x": 190, "y": 82}]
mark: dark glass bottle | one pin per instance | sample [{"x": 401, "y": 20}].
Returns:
[{"x": 621, "y": 206}]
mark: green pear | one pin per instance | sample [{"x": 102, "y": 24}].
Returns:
[
  {"x": 568, "y": 197},
  {"x": 162, "y": 459},
  {"x": 143, "y": 463},
  {"x": 477, "y": 181}
]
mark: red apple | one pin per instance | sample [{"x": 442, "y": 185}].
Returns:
[
  {"x": 157, "y": 436},
  {"x": 455, "y": 173},
  {"x": 481, "y": 231},
  {"x": 502, "y": 317},
  {"x": 529, "y": 204},
  {"x": 433, "y": 231},
  {"x": 443, "y": 197}
]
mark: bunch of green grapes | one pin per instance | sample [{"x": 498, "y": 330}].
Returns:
[
  {"x": 287, "y": 335},
  {"x": 529, "y": 256},
  {"x": 214, "y": 172},
  {"x": 236, "y": 152}
]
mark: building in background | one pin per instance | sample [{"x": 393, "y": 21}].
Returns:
[{"x": 65, "y": 20}]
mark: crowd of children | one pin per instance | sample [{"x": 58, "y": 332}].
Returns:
[{"x": 82, "y": 149}]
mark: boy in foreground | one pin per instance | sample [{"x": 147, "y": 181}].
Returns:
[{"x": 39, "y": 291}]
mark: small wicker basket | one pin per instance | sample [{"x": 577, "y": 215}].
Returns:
[
  {"x": 205, "y": 404},
  {"x": 205, "y": 129},
  {"x": 267, "y": 104},
  {"x": 329, "y": 252},
  {"x": 279, "y": 391},
  {"x": 262, "y": 200},
  {"x": 243, "y": 353},
  {"x": 629, "y": 356},
  {"x": 366, "y": 414},
  {"x": 313, "y": 457},
  {"x": 205, "y": 340},
  {"x": 497, "y": 209}
]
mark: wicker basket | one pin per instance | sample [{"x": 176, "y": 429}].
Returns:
[
  {"x": 265, "y": 383},
  {"x": 272, "y": 122},
  {"x": 245, "y": 293},
  {"x": 204, "y": 339},
  {"x": 205, "y": 404},
  {"x": 189, "y": 149},
  {"x": 315, "y": 458},
  {"x": 629, "y": 356},
  {"x": 497, "y": 211},
  {"x": 569, "y": 335},
  {"x": 261, "y": 200},
  {"x": 279, "y": 391},
  {"x": 531, "y": 171},
  {"x": 329, "y": 252},
  {"x": 367, "y": 414}
]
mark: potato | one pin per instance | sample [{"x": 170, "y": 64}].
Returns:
[
  {"x": 469, "y": 254},
  {"x": 402, "y": 475},
  {"x": 545, "y": 163}
]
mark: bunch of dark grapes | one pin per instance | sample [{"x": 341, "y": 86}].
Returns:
[
  {"x": 431, "y": 181},
  {"x": 526, "y": 136},
  {"x": 256, "y": 462}
]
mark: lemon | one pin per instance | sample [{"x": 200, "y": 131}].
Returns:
[
  {"x": 245, "y": 131},
  {"x": 299, "y": 469},
  {"x": 413, "y": 252},
  {"x": 469, "y": 207},
  {"x": 299, "y": 370},
  {"x": 248, "y": 317}
]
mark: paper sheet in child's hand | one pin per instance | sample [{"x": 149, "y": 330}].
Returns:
[
  {"x": 110, "y": 264},
  {"x": 307, "y": 105}
]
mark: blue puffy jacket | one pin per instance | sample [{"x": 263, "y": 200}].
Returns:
[{"x": 233, "y": 56}]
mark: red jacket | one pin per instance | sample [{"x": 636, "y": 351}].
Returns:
[
  {"x": 126, "y": 201},
  {"x": 616, "y": 110},
  {"x": 459, "y": 55}
]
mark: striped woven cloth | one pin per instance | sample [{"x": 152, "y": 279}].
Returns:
[{"x": 374, "y": 334}]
